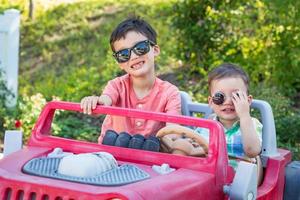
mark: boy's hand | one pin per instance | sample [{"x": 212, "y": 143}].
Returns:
[
  {"x": 89, "y": 103},
  {"x": 241, "y": 104},
  {"x": 250, "y": 138}
]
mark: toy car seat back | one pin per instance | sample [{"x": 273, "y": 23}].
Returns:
[{"x": 188, "y": 107}]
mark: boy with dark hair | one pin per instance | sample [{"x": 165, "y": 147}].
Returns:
[{"x": 134, "y": 47}]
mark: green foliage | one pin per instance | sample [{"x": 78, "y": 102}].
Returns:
[
  {"x": 261, "y": 36},
  {"x": 65, "y": 53},
  {"x": 287, "y": 121},
  {"x": 285, "y": 54},
  {"x": 27, "y": 112},
  {"x": 4, "y": 111},
  {"x": 65, "y": 42},
  {"x": 72, "y": 43},
  {"x": 256, "y": 34},
  {"x": 6, "y": 4},
  {"x": 289, "y": 134},
  {"x": 65, "y": 124},
  {"x": 77, "y": 126}
]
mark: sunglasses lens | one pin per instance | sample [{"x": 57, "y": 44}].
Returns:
[
  {"x": 218, "y": 98},
  {"x": 141, "y": 48},
  {"x": 123, "y": 55}
]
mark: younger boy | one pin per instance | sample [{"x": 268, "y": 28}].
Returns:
[
  {"x": 134, "y": 47},
  {"x": 230, "y": 100}
]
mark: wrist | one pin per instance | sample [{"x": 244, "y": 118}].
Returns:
[
  {"x": 245, "y": 117},
  {"x": 105, "y": 100}
]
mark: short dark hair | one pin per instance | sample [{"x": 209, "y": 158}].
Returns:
[
  {"x": 228, "y": 70},
  {"x": 136, "y": 24}
]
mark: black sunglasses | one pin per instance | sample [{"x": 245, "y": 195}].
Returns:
[
  {"x": 141, "y": 48},
  {"x": 219, "y": 98}
]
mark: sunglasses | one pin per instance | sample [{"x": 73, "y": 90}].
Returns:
[
  {"x": 141, "y": 48},
  {"x": 219, "y": 98}
]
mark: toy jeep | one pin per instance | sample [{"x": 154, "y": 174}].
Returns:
[{"x": 207, "y": 177}]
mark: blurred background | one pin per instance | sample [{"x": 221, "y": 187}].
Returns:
[{"x": 65, "y": 55}]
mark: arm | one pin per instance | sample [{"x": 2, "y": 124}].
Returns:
[
  {"x": 250, "y": 138},
  {"x": 90, "y": 102},
  {"x": 173, "y": 101},
  {"x": 109, "y": 95},
  {"x": 173, "y": 105}
]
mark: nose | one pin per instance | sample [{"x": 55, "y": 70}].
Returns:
[
  {"x": 133, "y": 55},
  {"x": 228, "y": 100}
]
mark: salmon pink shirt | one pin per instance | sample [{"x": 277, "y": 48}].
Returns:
[{"x": 163, "y": 97}]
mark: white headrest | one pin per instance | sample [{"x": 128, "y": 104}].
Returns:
[{"x": 86, "y": 164}]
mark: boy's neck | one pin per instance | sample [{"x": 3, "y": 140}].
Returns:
[
  {"x": 227, "y": 123},
  {"x": 142, "y": 85}
]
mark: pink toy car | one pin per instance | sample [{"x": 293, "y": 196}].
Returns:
[{"x": 207, "y": 177}]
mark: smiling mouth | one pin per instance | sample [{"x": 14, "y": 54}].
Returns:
[
  {"x": 137, "y": 65},
  {"x": 228, "y": 110}
]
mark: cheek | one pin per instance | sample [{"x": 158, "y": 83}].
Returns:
[
  {"x": 210, "y": 102},
  {"x": 149, "y": 57},
  {"x": 214, "y": 107},
  {"x": 122, "y": 66}
]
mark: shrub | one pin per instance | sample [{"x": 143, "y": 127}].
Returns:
[
  {"x": 26, "y": 114},
  {"x": 287, "y": 120},
  {"x": 65, "y": 124},
  {"x": 77, "y": 126},
  {"x": 256, "y": 34},
  {"x": 4, "y": 111}
]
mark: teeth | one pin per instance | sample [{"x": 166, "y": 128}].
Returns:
[
  {"x": 228, "y": 109},
  {"x": 137, "y": 65}
]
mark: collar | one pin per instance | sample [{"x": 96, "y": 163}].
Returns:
[{"x": 230, "y": 131}]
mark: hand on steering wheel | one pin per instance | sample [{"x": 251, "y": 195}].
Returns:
[{"x": 182, "y": 140}]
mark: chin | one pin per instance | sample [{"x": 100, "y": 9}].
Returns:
[
  {"x": 142, "y": 71},
  {"x": 230, "y": 118}
]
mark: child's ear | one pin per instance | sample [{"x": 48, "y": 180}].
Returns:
[
  {"x": 250, "y": 98},
  {"x": 156, "y": 50}
]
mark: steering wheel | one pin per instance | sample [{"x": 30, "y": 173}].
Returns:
[{"x": 182, "y": 140}]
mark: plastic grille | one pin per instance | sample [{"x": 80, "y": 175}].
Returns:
[{"x": 124, "y": 174}]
